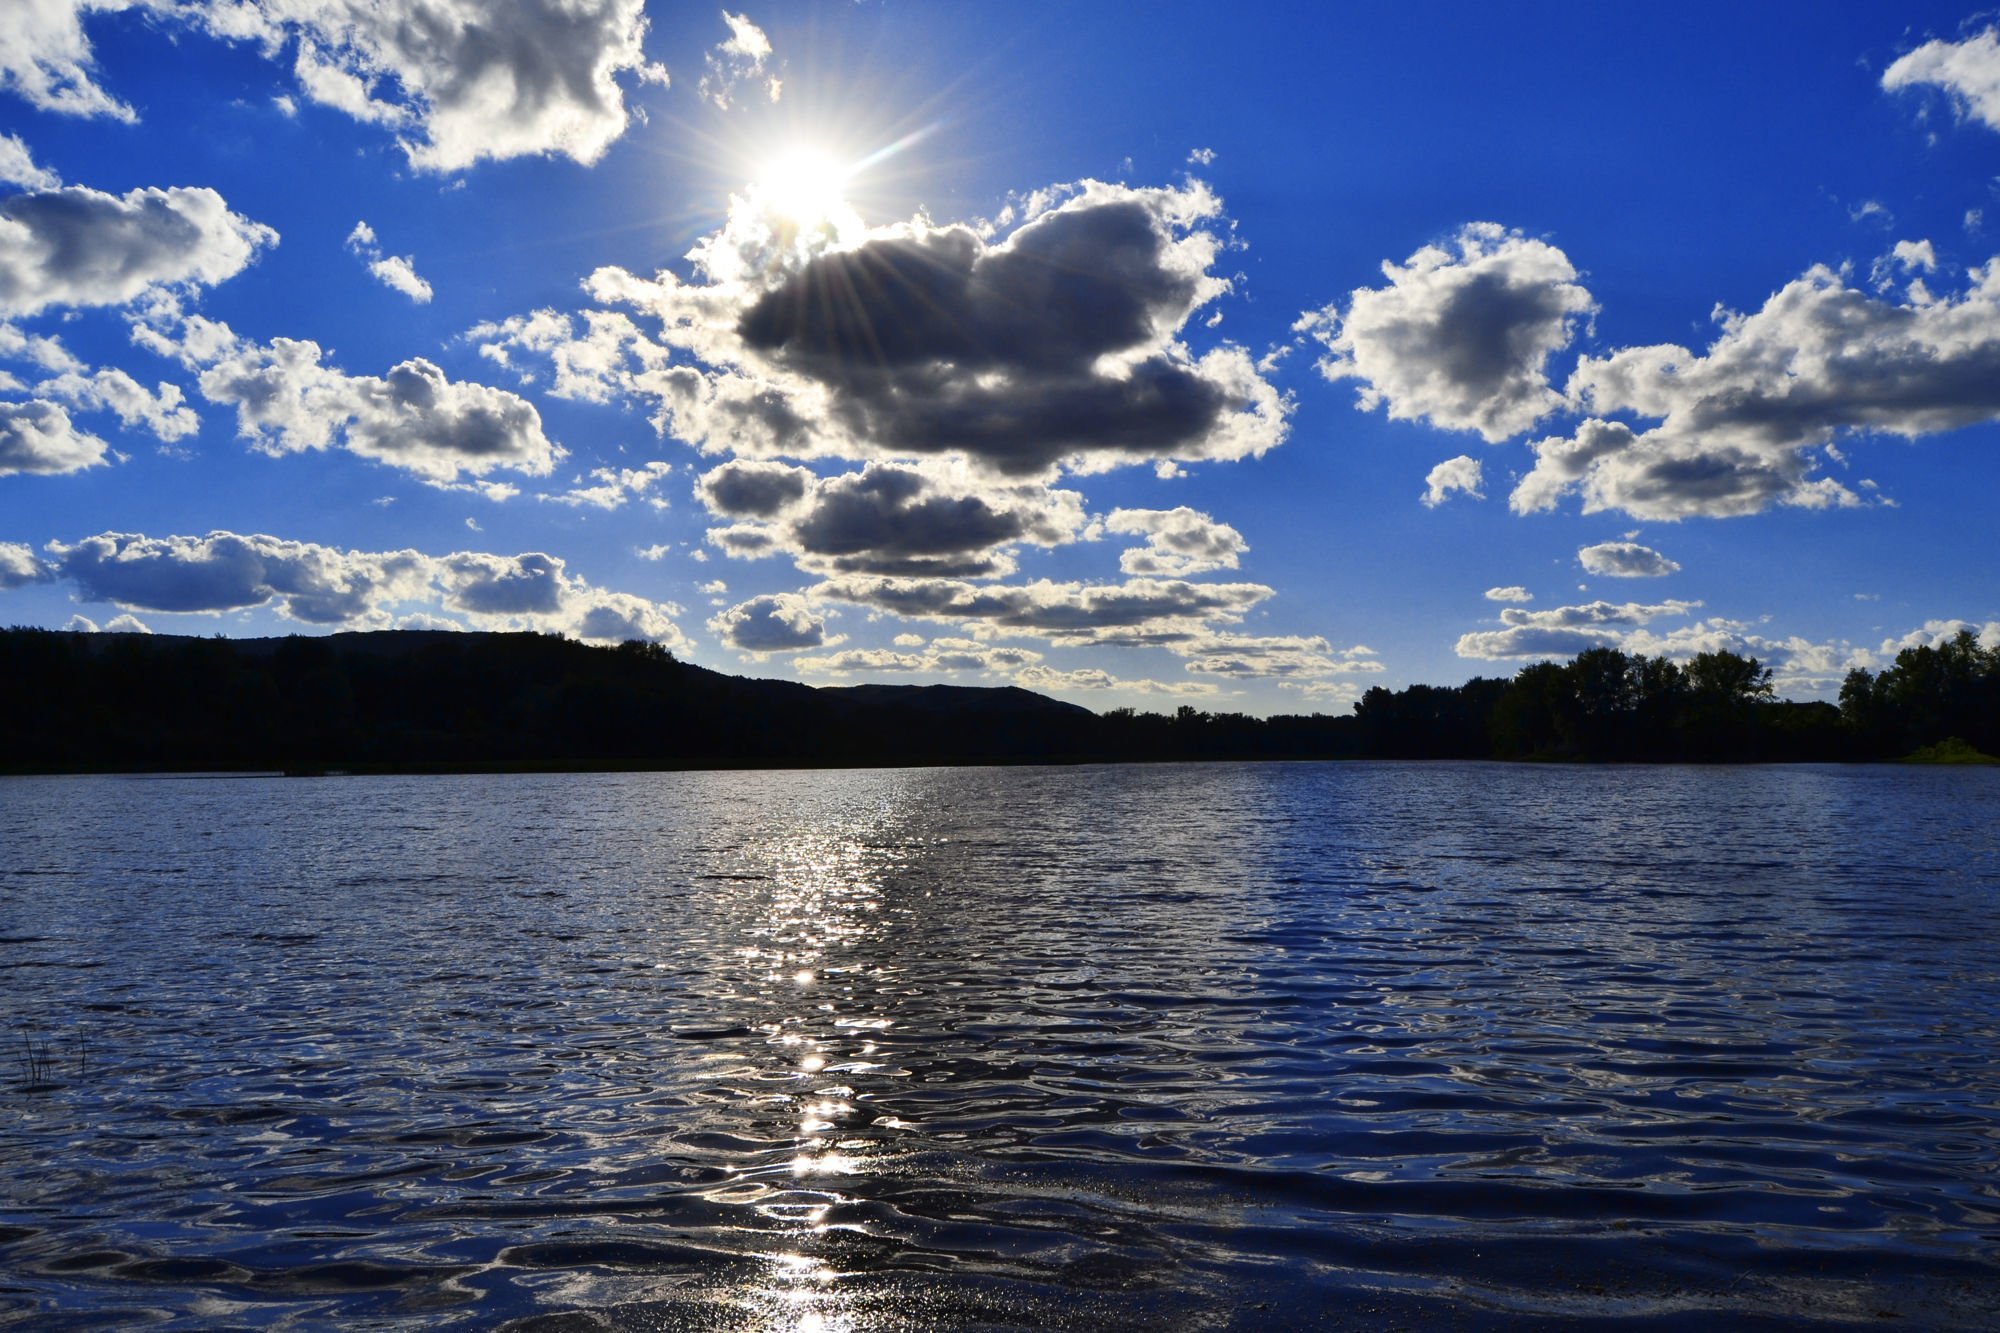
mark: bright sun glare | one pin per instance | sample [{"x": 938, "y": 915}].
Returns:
[{"x": 806, "y": 187}]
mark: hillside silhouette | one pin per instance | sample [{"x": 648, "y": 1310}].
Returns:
[{"x": 409, "y": 700}]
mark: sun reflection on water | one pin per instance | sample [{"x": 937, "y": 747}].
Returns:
[{"x": 814, "y": 906}]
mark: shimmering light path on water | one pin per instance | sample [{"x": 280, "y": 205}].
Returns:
[{"x": 1174, "y": 1047}]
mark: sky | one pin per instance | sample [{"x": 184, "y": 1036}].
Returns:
[{"x": 1245, "y": 357}]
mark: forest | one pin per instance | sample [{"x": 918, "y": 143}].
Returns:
[{"x": 412, "y": 701}]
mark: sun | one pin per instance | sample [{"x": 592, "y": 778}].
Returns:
[{"x": 806, "y": 187}]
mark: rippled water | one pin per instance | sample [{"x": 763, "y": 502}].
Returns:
[{"x": 1176, "y": 1047}]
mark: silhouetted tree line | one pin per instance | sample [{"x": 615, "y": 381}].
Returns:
[{"x": 412, "y": 700}]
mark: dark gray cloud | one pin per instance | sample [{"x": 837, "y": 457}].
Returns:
[
  {"x": 1076, "y": 611},
  {"x": 886, "y": 519},
  {"x": 503, "y": 585},
  {"x": 750, "y": 488},
  {"x": 1462, "y": 335},
  {"x": 1060, "y": 342},
  {"x": 774, "y": 623}
]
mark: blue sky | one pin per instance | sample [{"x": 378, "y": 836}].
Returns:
[{"x": 1143, "y": 355}]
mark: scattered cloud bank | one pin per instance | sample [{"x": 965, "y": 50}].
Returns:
[
  {"x": 346, "y": 589},
  {"x": 413, "y": 417},
  {"x": 1625, "y": 560},
  {"x": 1747, "y": 425},
  {"x": 456, "y": 83},
  {"x": 1461, "y": 335}
]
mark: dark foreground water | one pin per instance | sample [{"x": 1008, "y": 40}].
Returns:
[{"x": 1177, "y": 1047}]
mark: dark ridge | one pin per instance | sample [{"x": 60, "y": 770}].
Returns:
[{"x": 423, "y": 701}]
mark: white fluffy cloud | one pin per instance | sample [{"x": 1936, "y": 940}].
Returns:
[
  {"x": 939, "y": 655},
  {"x": 19, "y": 566},
  {"x": 160, "y": 410},
  {"x": 1511, "y": 593},
  {"x": 455, "y": 81},
  {"x": 1625, "y": 560},
  {"x": 1461, "y": 335},
  {"x": 17, "y": 166},
  {"x": 1179, "y": 542},
  {"x": 1969, "y": 71},
  {"x": 1462, "y": 475},
  {"x": 39, "y": 437},
  {"x": 75, "y": 246},
  {"x": 323, "y": 585},
  {"x": 396, "y": 272},
  {"x": 413, "y": 417},
  {"x": 45, "y": 57},
  {"x": 1564, "y": 631},
  {"x": 1742, "y": 428},
  {"x": 773, "y": 623}
]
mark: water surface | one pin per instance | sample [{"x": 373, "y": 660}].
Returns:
[{"x": 1179, "y": 1047}]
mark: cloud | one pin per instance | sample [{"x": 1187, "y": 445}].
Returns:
[
  {"x": 736, "y": 61},
  {"x": 753, "y": 489},
  {"x": 931, "y": 519},
  {"x": 1137, "y": 611},
  {"x": 1057, "y": 345},
  {"x": 773, "y": 623},
  {"x": 323, "y": 585},
  {"x": 1564, "y": 631},
  {"x": 19, "y": 566},
  {"x": 39, "y": 437},
  {"x": 1968, "y": 71},
  {"x": 1179, "y": 542},
  {"x": 161, "y": 410},
  {"x": 617, "y": 485},
  {"x": 81, "y": 247},
  {"x": 1513, "y": 593},
  {"x": 1095, "y": 679},
  {"x": 45, "y": 57},
  {"x": 1625, "y": 560},
  {"x": 1462, "y": 474},
  {"x": 1741, "y": 427},
  {"x": 1462, "y": 334},
  {"x": 396, "y": 272},
  {"x": 939, "y": 656},
  {"x": 457, "y": 83},
  {"x": 1201, "y": 157},
  {"x": 1270, "y": 656},
  {"x": 17, "y": 167},
  {"x": 413, "y": 417}
]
